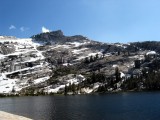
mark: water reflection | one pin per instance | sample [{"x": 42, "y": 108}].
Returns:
[{"x": 123, "y": 106}]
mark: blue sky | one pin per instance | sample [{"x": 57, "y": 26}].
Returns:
[{"x": 102, "y": 20}]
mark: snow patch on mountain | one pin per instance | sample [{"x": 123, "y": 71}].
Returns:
[{"x": 19, "y": 67}]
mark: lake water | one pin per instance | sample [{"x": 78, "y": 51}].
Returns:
[{"x": 117, "y": 106}]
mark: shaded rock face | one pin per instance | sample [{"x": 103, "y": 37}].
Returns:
[
  {"x": 58, "y": 37},
  {"x": 53, "y": 35},
  {"x": 5, "y": 49},
  {"x": 76, "y": 38},
  {"x": 50, "y": 36}
]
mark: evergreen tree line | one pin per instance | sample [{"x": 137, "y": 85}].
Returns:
[
  {"x": 74, "y": 89},
  {"x": 91, "y": 59},
  {"x": 148, "y": 45},
  {"x": 149, "y": 81},
  {"x": 107, "y": 82}
]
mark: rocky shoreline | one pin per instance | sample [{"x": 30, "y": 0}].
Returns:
[{"x": 9, "y": 116}]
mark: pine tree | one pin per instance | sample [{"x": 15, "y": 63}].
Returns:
[
  {"x": 91, "y": 58},
  {"x": 117, "y": 74},
  {"x": 73, "y": 88},
  {"x": 65, "y": 90},
  {"x": 97, "y": 56},
  {"x": 86, "y": 60},
  {"x": 118, "y": 52}
]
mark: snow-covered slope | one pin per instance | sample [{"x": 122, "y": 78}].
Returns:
[
  {"x": 23, "y": 66},
  {"x": 34, "y": 62}
]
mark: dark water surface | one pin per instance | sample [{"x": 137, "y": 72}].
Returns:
[{"x": 120, "y": 106}]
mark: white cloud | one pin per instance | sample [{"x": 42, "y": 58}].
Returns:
[
  {"x": 22, "y": 29},
  {"x": 44, "y": 29},
  {"x": 12, "y": 27}
]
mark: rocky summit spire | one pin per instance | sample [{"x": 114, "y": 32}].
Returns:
[{"x": 57, "y": 37}]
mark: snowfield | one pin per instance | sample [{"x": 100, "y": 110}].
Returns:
[
  {"x": 22, "y": 65},
  {"x": 56, "y": 88},
  {"x": 151, "y": 53},
  {"x": 24, "y": 48},
  {"x": 15, "y": 79}
]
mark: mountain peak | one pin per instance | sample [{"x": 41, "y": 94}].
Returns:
[
  {"x": 58, "y": 37},
  {"x": 7, "y": 37}
]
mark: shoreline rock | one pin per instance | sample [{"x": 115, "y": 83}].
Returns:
[{"x": 9, "y": 116}]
